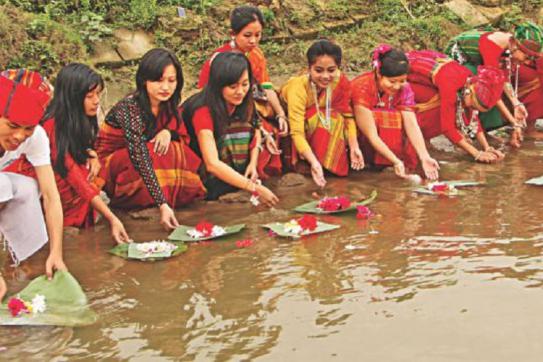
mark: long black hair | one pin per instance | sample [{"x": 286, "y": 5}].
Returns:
[
  {"x": 75, "y": 132},
  {"x": 244, "y": 15},
  {"x": 226, "y": 69},
  {"x": 151, "y": 69}
]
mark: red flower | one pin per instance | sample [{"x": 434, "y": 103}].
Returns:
[
  {"x": 363, "y": 212},
  {"x": 244, "y": 243},
  {"x": 440, "y": 188},
  {"x": 308, "y": 222},
  {"x": 205, "y": 228},
  {"x": 17, "y": 306},
  {"x": 271, "y": 233},
  {"x": 334, "y": 203}
]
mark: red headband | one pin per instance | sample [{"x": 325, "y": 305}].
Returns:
[
  {"x": 377, "y": 53},
  {"x": 488, "y": 86},
  {"x": 21, "y": 104}
]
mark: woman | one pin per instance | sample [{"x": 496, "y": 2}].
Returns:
[
  {"x": 497, "y": 49},
  {"x": 383, "y": 104},
  {"x": 320, "y": 115},
  {"x": 449, "y": 98},
  {"x": 528, "y": 77},
  {"x": 71, "y": 126},
  {"x": 146, "y": 161},
  {"x": 224, "y": 129},
  {"x": 246, "y": 25}
]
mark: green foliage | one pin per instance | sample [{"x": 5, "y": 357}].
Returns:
[
  {"x": 36, "y": 54},
  {"x": 92, "y": 27},
  {"x": 143, "y": 13}
]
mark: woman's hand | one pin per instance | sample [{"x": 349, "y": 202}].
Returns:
[
  {"x": 162, "y": 142},
  {"x": 118, "y": 232},
  {"x": 283, "y": 125},
  {"x": 266, "y": 196},
  {"x": 430, "y": 168},
  {"x": 520, "y": 113},
  {"x": 486, "y": 157},
  {"x": 357, "y": 159},
  {"x": 3, "y": 288},
  {"x": 251, "y": 172},
  {"x": 399, "y": 169},
  {"x": 54, "y": 262},
  {"x": 318, "y": 174},
  {"x": 167, "y": 217},
  {"x": 93, "y": 165},
  {"x": 499, "y": 155},
  {"x": 516, "y": 137},
  {"x": 271, "y": 145}
]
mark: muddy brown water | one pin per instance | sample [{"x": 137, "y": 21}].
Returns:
[{"x": 428, "y": 279}]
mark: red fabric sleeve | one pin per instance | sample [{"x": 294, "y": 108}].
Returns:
[
  {"x": 202, "y": 120},
  {"x": 364, "y": 91},
  {"x": 204, "y": 74}
]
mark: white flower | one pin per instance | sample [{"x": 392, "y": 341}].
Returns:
[
  {"x": 157, "y": 247},
  {"x": 292, "y": 227},
  {"x": 38, "y": 304},
  {"x": 217, "y": 230},
  {"x": 254, "y": 200},
  {"x": 195, "y": 234}
]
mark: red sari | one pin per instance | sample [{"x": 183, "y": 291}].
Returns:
[
  {"x": 530, "y": 88},
  {"x": 435, "y": 80},
  {"x": 135, "y": 176},
  {"x": 388, "y": 119},
  {"x": 76, "y": 192}
]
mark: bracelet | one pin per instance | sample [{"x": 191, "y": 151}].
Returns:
[
  {"x": 478, "y": 155},
  {"x": 279, "y": 116},
  {"x": 248, "y": 185},
  {"x": 518, "y": 105}
]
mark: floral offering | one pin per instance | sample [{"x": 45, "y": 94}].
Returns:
[
  {"x": 156, "y": 247},
  {"x": 441, "y": 188},
  {"x": 206, "y": 229},
  {"x": 334, "y": 203},
  {"x": 301, "y": 225},
  {"x": 363, "y": 212},
  {"x": 18, "y": 306}
]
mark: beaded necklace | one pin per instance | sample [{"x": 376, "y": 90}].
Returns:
[
  {"x": 472, "y": 127},
  {"x": 325, "y": 121}
]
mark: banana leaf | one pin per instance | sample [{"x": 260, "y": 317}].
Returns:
[
  {"x": 537, "y": 181},
  {"x": 311, "y": 207},
  {"x": 279, "y": 229},
  {"x": 66, "y": 303},
  {"x": 180, "y": 233},
  {"x": 122, "y": 251}
]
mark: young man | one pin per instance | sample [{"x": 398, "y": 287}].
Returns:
[{"x": 22, "y": 103}]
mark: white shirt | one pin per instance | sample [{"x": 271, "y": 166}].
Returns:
[{"x": 35, "y": 148}]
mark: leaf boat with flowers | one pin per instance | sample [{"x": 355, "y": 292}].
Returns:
[
  {"x": 333, "y": 205},
  {"x": 446, "y": 188},
  {"x": 296, "y": 228},
  {"x": 43, "y": 302},
  {"x": 149, "y": 251},
  {"x": 203, "y": 231}
]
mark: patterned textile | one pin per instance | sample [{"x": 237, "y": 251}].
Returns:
[
  {"x": 308, "y": 131},
  {"x": 464, "y": 48},
  {"x": 487, "y": 86},
  {"x": 424, "y": 65},
  {"x": 365, "y": 93},
  {"x": 134, "y": 175},
  {"x": 390, "y": 129},
  {"x": 530, "y": 38},
  {"x": 530, "y": 89}
]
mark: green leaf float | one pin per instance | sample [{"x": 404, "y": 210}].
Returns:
[
  {"x": 130, "y": 251},
  {"x": 203, "y": 231},
  {"x": 313, "y": 206},
  {"x": 296, "y": 228},
  {"x": 65, "y": 303}
]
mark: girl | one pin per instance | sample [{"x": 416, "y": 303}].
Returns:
[
  {"x": 246, "y": 24},
  {"x": 142, "y": 146},
  {"x": 71, "y": 126},
  {"x": 383, "y": 105},
  {"x": 449, "y": 98},
  {"x": 224, "y": 131},
  {"x": 497, "y": 49},
  {"x": 320, "y": 115}
]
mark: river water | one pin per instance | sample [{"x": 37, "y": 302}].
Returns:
[{"x": 427, "y": 279}]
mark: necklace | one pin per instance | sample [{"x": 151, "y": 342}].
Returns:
[
  {"x": 472, "y": 127},
  {"x": 381, "y": 103},
  {"x": 325, "y": 121}
]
